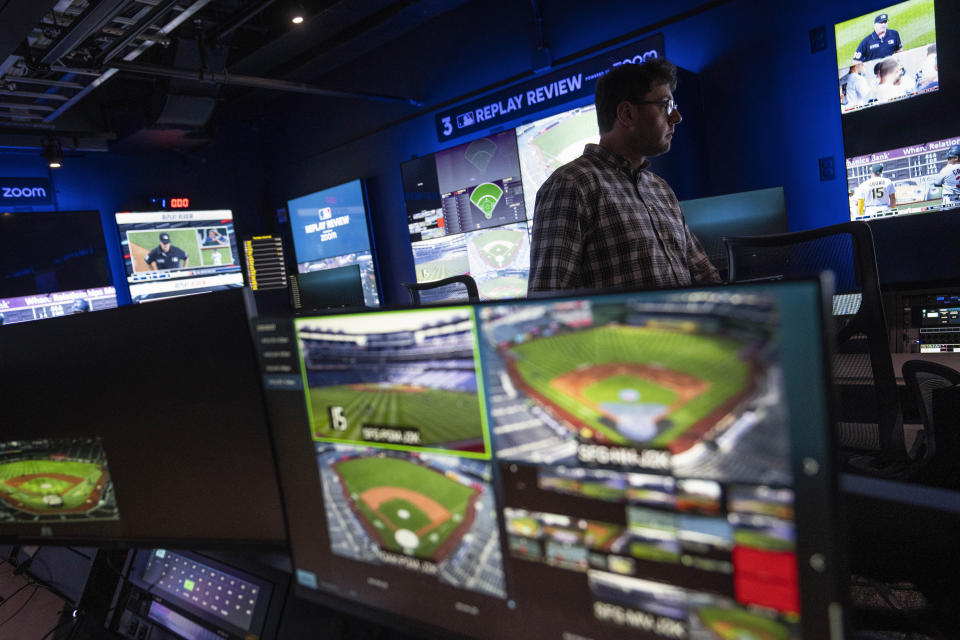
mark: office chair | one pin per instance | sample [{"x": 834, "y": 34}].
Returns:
[
  {"x": 923, "y": 379},
  {"x": 414, "y": 288},
  {"x": 869, "y": 417}
]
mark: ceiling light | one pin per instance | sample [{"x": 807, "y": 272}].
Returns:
[
  {"x": 52, "y": 153},
  {"x": 297, "y": 12},
  {"x": 297, "y": 19}
]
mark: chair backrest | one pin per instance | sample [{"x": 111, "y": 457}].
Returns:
[
  {"x": 414, "y": 288},
  {"x": 922, "y": 379},
  {"x": 863, "y": 351}
]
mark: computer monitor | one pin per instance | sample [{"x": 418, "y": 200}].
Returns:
[
  {"x": 626, "y": 465},
  {"x": 169, "y": 254},
  {"x": 331, "y": 229},
  {"x": 54, "y": 264},
  {"x": 749, "y": 213},
  {"x": 331, "y": 288},
  {"x": 138, "y": 424},
  {"x": 466, "y": 215},
  {"x": 197, "y": 597}
]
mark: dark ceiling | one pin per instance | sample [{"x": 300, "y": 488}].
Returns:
[{"x": 98, "y": 74}]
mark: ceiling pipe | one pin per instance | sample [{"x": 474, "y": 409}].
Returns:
[
  {"x": 90, "y": 22},
  {"x": 145, "y": 23},
  {"x": 242, "y": 20},
  {"x": 211, "y": 77}
]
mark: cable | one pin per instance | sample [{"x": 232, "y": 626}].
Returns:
[
  {"x": 73, "y": 621},
  {"x": 12, "y": 595}
]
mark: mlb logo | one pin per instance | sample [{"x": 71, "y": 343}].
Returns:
[
  {"x": 326, "y": 213},
  {"x": 465, "y": 120}
]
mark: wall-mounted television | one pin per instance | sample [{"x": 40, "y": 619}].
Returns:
[
  {"x": 169, "y": 254},
  {"x": 887, "y": 55},
  {"x": 54, "y": 264},
  {"x": 331, "y": 229},
  {"x": 919, "y": 178}
]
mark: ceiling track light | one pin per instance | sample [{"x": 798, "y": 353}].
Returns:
[
  {"x": 52, "y": 153},
  {"x": 297, "y": 13}
]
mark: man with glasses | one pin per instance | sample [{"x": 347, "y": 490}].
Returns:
[{"x": 604, "y": 220}]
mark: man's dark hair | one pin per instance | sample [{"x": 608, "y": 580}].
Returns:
[{"x": 630, "y": 82}]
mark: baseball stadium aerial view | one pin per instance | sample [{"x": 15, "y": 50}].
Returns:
[
  {"x": 674, "y": 376},
  {"x": 435, "y": 510},
  {"x": 55, "y": 479}
]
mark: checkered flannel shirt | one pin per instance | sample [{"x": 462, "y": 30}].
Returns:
[{"x": 599, "y": 225}]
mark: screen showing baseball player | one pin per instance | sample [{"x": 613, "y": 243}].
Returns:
[
  {"x": 918, "y": 178},
  {"x": 173, "y": 253},
  {"x": 887, "y": 55}
]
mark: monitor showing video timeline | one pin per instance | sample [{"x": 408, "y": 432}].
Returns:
[
  {"x": 174, "y": 253},
  {"x": 638, "y": 453},
  {"x": 887, "y": 55},
  {"x": 919, "y": 178},
  {"x": 331, "y": 229}
]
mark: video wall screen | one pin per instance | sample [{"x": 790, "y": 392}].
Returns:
[
  {"x": 618, "y": 466},
  {"x": 920, "y": 178},
  {"x": 470, "y": 208},
  {"x": 331, "y": 229},
  {"x": 174, "y": 253},
  {"x": 887, "y": 55},
  {"x": 54, "y": 264}
]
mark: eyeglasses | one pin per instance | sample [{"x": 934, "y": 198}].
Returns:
[{"x": 668, "y": 105}]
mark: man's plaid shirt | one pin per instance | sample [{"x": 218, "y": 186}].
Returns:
[{"x": 599, "y": 225}]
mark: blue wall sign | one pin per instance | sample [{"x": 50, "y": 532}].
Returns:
[
  {"x": 539, "y": 93},
  {"x": 25, "y": 192}
]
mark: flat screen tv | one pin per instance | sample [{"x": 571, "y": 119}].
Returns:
[
  {"x": 168, "y": 254},
  {"x": 331, "y": 229},
  {"x": 54, "y": 264},
  {"x": 887, "y": 55}
]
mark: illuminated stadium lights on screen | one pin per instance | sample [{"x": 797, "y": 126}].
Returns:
[
  {"x": 913, "y": 171},
  {"x": 887, "y": 55},
  {"x": 331, "y": 229},
  {"x": 173, "y": 253}
]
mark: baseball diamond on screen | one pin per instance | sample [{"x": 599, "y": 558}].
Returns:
[
  {"x": 602, "y": 377},
  {"x": 397, "y": 379},
  {"x": 54, "y": 479}
]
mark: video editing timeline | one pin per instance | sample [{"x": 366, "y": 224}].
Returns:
[
  {"x": 174, "y": 594},
  {"x": 169, "y": 253},
  {"x": 53, "y": 305},
  {"x": 642, "y": 464}
]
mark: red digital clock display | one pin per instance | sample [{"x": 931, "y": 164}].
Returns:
[{"x": 179, "y": 203}]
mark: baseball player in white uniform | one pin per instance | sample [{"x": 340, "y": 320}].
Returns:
[
  {"x": 949, "y": 178},
  {"x": 875, "y": 194}
]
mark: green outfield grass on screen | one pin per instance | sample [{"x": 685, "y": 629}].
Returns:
[{"x": 913, "y": 20}]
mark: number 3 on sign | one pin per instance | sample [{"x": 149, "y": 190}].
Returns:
[{"x": 447, "y": 127}]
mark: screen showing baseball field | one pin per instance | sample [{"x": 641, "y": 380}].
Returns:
[
  {"x": 174, "y": 253},
  {"x": 646, "y": 465},
  {"x": 887, "y": 55},
  {"x": 55, "y": 480}
]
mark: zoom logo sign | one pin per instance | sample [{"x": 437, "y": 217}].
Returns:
[{"x": 25, "y": 191}]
